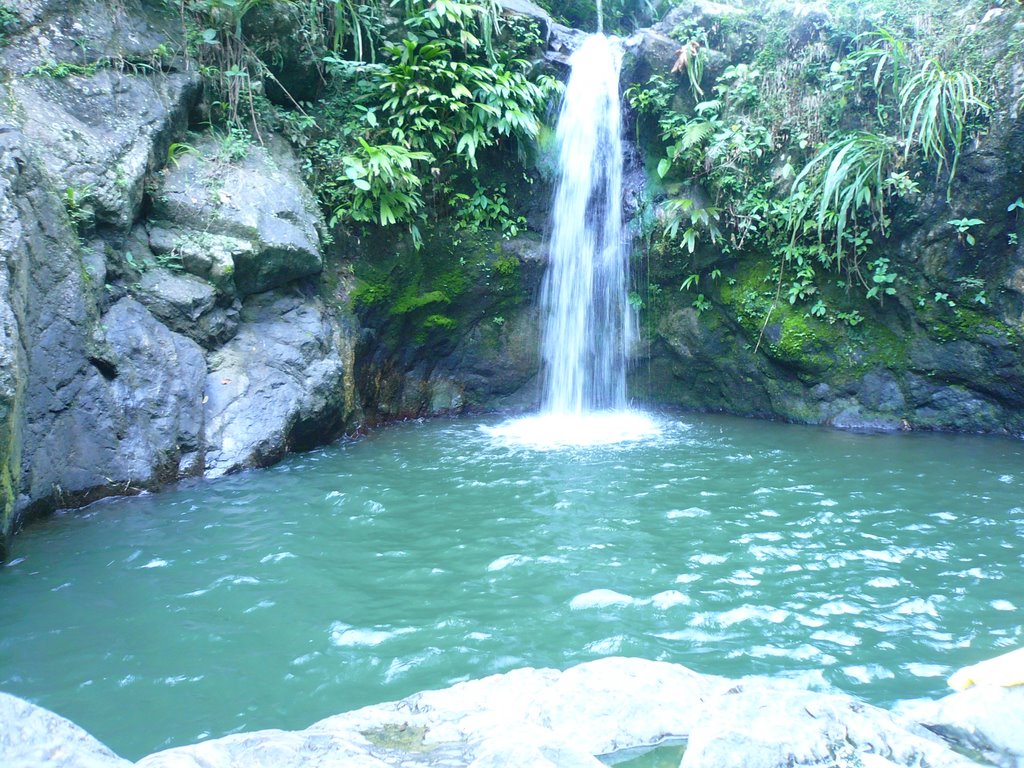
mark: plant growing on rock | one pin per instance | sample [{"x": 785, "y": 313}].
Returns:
[
  {"x": 443, "y": 94},
  {"x": 936, "y": 106}
]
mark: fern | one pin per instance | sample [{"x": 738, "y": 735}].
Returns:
[{"x": 696, "y": 133}]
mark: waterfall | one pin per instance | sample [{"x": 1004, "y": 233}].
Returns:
[
  {"x": 588, "y": 323},
  {"x": 588, "y": 326}
]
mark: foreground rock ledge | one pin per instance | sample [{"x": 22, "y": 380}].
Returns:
[{"x": 535, "y": 718}]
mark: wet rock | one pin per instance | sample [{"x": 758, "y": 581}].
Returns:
[
  {"x": 279, "y": 384},
  {"x": 254, "y": 208},
  {"x": 31, "y": 737},
  {"x": 208, "y": 256},
  {"x": 497, "y": 363},
  {"x": 82, "y": 32},
  {"x": 98, "y": 403},
  {"x": 700, "y": 12},
  {"x": 531, "y": 10},
  {"x": 278, "y": 31},
  {"x": 125, "y": 418},
  {"x": 985, "y": 718},
  {"x": 101, "y": 135},
  {"x": 187, "y": 305}
]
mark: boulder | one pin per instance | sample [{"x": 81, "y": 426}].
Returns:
[
  {"x": 101, "y": 135},
  {"x": 538, "y": 718},
  {"x": 205, "y": 255},
  {"x": 247, "y": 201},
  {"x": 187, "y": 305},
  {"x": 94, "y": 405},
  {"x": 985, "y": 718},
  {"x": 31, "y": 737},
  {"x": 282, "y": 382},
  {"x": 530, "y": 10},
  {"x": 127, "y": 414},
  {"x": 759, "y": 724}
]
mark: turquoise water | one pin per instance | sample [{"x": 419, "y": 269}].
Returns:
[{"x": 427, "y": 553}]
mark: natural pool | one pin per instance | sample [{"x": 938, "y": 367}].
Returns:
[{"x": 427, "y": 553}]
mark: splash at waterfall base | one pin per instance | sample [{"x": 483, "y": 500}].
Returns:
[{"x": 588, "y": 716}]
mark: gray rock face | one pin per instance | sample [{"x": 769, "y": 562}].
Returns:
[
  {"x": 251, "y": 208},
  {"x": 491, "y": 360},
  {"x": 280, "y": 383},
  {"x": 31, "y": 737},
  {"x": 188, "y": 305},
  {"x": 94, "y": 404},
  {"x": 101, "y": 135},
  {"x": 126, "y": 414}
]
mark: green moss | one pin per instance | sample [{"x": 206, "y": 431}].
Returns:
[
  {"x": 967, "y": 324},
  {"x": 439, "y": 321},
  {"x": 506, "y": 265},
  {"x": 410, "y": 302},
  {"x": 406, "y": 738}
]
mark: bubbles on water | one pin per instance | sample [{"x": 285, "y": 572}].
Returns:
[
  {"x": 868, "y": 673},
  {"x": 505, "y": 561},
  {"x": 707, "y": 558},
  {"x": 156, "y": 562},
  {"x": 884, "y": 582},
  {"x": 844, "y": 639},
  {"x": 917, "y": 607},
  {"x": 689, "y": 512},
  {"x": 669, "y": 599},
  {"x": 601, "y": 598},
  {"x": 607, "y": 646},
  {"x": 1003, "y": 605},
  {"x": 917, "y": 669},
  {"x": 277, "y": 558},
  {"x": 260, "y": 606},
  {"x": 345, "y": 635}
]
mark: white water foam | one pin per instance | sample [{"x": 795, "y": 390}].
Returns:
[{"x": 557, "y": 431}]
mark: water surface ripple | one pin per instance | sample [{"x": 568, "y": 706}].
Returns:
[{"x": 430, "y": 553}]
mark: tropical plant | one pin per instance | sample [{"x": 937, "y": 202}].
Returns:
[
  {"x": 357, "y": 28},
  {"x": 845, "y": 184},
  {"x": 963, "y": 229},
  {"x": 691, "y": 58},
  {"x": 936, "y": 106}
]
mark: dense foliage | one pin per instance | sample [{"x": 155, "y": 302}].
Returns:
[
  {"x": 797, "y": 151},
  {"x": 412, "y": 94}
]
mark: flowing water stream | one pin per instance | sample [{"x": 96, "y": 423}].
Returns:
[
  {"x": 588, "y": 324},
  {"x": 430, "y": 553}
]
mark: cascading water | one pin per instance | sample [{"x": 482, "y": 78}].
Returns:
[
  {"x": 588, "y": 325},
  {"x": 588, "y": 322}
]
